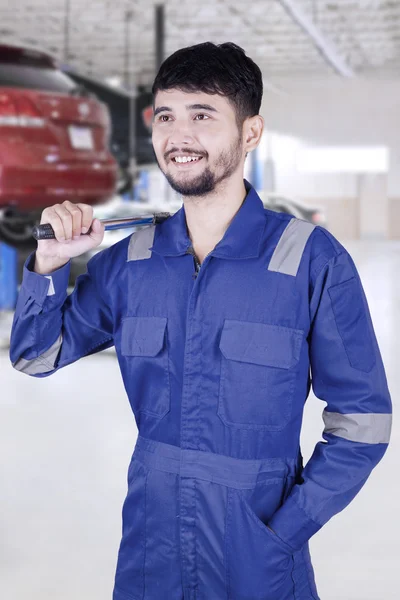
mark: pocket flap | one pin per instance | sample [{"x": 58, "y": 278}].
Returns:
[
  {"x": 261, "y": 344},
  {"x": 142, "y": 336}
]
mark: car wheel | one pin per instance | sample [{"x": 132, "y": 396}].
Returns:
[{"x": 16, "y": 231}]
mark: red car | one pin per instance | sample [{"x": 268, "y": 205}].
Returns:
[{"x": 54, "y": 142}]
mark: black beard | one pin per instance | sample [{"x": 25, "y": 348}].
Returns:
[
  {"x": 207, "y": 181},
  {"x": 201, "y": 185}
]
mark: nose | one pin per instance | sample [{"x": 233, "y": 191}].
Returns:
[{"x": 181, "y": 135}]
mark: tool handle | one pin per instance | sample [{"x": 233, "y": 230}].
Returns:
[
  {"x": 46, "y": 232},
  {"x": 43, "y": 232}
]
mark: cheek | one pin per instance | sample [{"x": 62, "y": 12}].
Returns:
[
  {"x": 215, "y": 140},
  {"x": 158, "y": 145}
]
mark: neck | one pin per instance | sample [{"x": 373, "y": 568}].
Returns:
[{"x": 209, "y": 216}]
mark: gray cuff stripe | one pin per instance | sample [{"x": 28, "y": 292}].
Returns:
[
  {"x": 367, "y": 428},
  {"x": 140, "y": 243},
  {"x": 51, "y": 291},
  {"x": 287, "y": 256},
  {"x": 43, "y": 363}
]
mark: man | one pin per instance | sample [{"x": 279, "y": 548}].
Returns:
[{"x": 222, "y": 317}]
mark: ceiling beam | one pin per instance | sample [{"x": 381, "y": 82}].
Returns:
[{"x": 325, "y": 47}]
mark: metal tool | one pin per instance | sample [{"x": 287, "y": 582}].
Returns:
[{"x": 46, "y": 232}]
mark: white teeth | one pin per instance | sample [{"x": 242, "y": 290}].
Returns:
[{"x": 185, "y": 159}]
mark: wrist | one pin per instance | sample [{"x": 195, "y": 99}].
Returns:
[{"x": 46, "y": 266}]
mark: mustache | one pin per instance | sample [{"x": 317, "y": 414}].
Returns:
[{"x": 185, "y": 152}]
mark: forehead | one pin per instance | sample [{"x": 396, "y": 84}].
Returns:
[{"x": 177, "y": 100}]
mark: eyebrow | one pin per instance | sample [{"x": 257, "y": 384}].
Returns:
[
  {"x": 188, "y": 106},
  {"x": 201, "y": 107},
  {"x": 162, "y": 109}
]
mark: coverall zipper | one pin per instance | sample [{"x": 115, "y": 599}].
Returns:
[
  {"x": 189, "y": 442},
  {"x": 197, "y": 263}
]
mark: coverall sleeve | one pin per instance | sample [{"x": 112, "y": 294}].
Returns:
[
  {"x": 52, "y": 329},
  {"x": 348, "y": 374}
]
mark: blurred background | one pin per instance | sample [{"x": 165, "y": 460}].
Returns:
[{"x": 75, "y": 122}]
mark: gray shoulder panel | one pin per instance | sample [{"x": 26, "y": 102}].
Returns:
[
  {"x": 140, "y": 243},
  {"x": 287, "y": 256},
  {"x": 43, "y": 363}
]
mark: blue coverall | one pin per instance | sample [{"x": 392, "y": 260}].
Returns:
[{"x": 217, "y": 366}]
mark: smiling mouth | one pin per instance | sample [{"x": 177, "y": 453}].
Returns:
[{"x": 186, "y": 160}]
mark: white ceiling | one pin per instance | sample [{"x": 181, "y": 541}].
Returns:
[{"x": 296, "y": 38}]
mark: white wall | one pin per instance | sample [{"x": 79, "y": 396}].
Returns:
[
  {"x": 340, "y": 112},
  {"x": 284, "y": 150}
]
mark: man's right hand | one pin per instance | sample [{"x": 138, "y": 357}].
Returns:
[{"x": 70, "y": 223}]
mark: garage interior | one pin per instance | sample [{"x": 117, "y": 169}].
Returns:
[{"x": 331, "y": 71}]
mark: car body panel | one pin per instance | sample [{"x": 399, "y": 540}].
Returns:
[{"x": 61, "y": 151}]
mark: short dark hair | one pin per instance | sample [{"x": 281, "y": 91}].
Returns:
[{"x": 222, "y": 69}]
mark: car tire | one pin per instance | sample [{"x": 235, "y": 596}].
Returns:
[{"x": 16, "y": 231}]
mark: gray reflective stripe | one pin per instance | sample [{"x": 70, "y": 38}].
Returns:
[
  {"x": 43, "y": 363},
  {"x": 140, "y": 243},
  {"x": 367, "y": 428},
  {"x": 290, "y": 248},
  {"x": 51, "y": 290}
]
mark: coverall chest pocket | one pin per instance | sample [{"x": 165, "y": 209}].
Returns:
[
  {"x": 258, "y": 374},
  {"x": 144, "y": 347}
]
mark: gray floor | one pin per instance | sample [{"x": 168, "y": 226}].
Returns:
[{"x": 66, "y": 441}]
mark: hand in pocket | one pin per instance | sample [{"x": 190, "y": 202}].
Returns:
[{"x": 258, "y": 563}]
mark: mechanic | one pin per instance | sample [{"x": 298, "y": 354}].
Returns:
[{"x": 217, "y": 366}]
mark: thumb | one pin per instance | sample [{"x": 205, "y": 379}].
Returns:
[{"x": 97, "y": 230}]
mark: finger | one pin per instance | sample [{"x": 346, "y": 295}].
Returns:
[
  {"x": 76, "y": 214},
  {"x": 66, "y": 220},
  {"x": 87, "y": 216},
  {"x": 51, "y": 216}
]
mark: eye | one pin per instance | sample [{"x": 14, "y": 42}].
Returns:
[
  {"x": 201, "y": 117},
  {"x": 163, "y": 118}
]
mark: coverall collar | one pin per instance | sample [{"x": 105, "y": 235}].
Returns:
[{"x": 242, "y": 239}]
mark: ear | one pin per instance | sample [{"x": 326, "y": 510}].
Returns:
[{"x": 253, "y": 128}]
